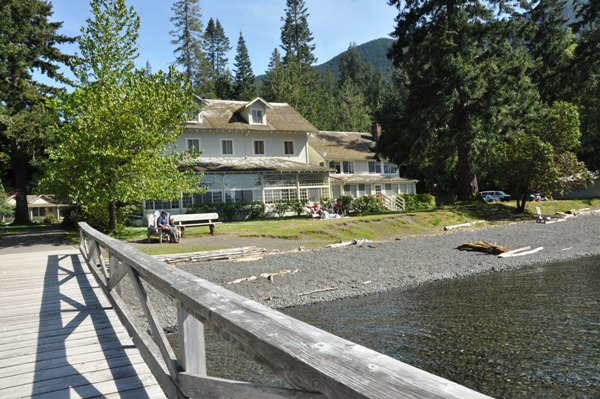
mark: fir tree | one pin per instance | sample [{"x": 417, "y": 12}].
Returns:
[
  {"x": 187, "y": 37},
  {"x": 447, "y": 50},
  {"x": 243, "y": 88},
  {"x": 296, "y": 37},
  {"x": 216, "y": 46},
  {"x": 28, "y": 42}
]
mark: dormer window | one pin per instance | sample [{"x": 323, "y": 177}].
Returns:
[{"x": 257, "y": 116}]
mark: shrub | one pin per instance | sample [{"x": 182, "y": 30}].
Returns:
[
  {"x": 49, "y": 219},
  {"x": 71, "y": 216},
  {"x": 281, "y": 207},
  {"x": 297, "y": 206},
  {"x": 252, "y": 210},
  {"x": 367, "y": 204},
  {"x": 419, "y": 202}
]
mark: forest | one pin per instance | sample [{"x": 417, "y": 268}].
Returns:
[{"x": 481, "y": 94}]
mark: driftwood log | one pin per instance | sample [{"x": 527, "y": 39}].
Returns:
[{"x": 483, "y": 246}]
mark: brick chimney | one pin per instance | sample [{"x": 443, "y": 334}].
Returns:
[{"x": 376, "y": 131}]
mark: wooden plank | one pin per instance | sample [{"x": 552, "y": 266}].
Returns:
[
  {"x": 57, "y": 340},
  {"x": 191, "y": 343}
]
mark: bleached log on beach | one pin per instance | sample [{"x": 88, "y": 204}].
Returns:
[
  {"x": 520, "y": 252},
  {"x": 316, "y": 291},
  {"x": 483, "y": 246},
  {"x": 462, "y": 225}
]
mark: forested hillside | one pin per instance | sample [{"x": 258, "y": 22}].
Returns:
[{"x": 373, "y": 52}]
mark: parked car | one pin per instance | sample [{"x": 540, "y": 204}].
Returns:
[{"x": 496, "y": 195}]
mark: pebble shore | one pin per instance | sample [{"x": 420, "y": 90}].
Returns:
[{"x": 374, "y": 267}]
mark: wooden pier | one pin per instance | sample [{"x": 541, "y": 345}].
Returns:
[
  {"x": 62, "y": 336},
  {"x": 59, "y": 337}
]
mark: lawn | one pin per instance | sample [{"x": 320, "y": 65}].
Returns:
[{"x": 375, "y": 227}]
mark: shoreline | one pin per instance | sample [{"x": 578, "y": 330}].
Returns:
[{"x": 304, "y": 277}]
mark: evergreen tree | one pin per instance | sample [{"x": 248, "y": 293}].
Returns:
[
  {"x": 352, "y": 68},
  {"x": 551, "y": 45},
  {"x": 296, "y": 37},
  {"x": 446, "y": 48},
  {"x": 28, "y": 43},
  {"x": 243, "y": 88},
  {"x": 352, "y": 111},
  {"x": 187, "y": 37},
  {"x": 272, "y": 86},
  {"x": 108, "y": 43},
  {"x": 216, "y": 46},
  {"x": 587, "y": 80}
]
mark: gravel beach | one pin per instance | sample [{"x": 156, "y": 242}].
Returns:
[{"x": 328, "y": 274}]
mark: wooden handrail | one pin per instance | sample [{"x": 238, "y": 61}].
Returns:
[{"x": 315, "y": 363}]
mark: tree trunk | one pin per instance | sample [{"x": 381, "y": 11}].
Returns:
[
  {"x": 521, "y": 202},
  {"x": 112, "y": 221},
  {"x": 20, "y": 176},
  {"x": 467, "y": 179}
]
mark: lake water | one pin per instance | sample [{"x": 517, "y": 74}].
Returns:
[{"x": 531, "y": 333}]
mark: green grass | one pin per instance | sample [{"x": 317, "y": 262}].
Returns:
[{"x": 373, "y": 227}]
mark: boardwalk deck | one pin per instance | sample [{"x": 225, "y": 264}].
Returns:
[{"x": 59, "y": 338}]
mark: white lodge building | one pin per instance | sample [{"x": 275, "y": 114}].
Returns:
[{"x": 260, "y": 151}]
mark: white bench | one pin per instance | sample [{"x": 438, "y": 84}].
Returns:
[{"x": 196, "y": 219}]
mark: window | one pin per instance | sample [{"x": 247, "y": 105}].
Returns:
[
  {"x": 336, "y": 165},
  {"x": 193, "y": 145},
  {"x": 390, "y": 168},
  {"x": 259, "y": 147},
  {"x": 288, "y": 147},
  {"x": 374, "y": 167},
  {"x": 348, "y": 167},
  {"x": 227, "y": 147},
  {"x": 257, "y": 117},
  {"x": 378, "y": 189},
  {"x": 187, "y": 200}
]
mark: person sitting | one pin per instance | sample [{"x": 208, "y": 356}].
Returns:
[
  {"x": 338, "y": 208},
  {"x": 314, "y": 211},
  {"x": 163, "y": 223},
  {"x": 175, "y": 228}
]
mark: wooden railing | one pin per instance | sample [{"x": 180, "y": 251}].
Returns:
[
  {"x": 394, "y": 203},
  {"x": 316, "y": 364}
]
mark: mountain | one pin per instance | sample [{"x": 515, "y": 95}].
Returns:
[{"x": 373, "y": 52}]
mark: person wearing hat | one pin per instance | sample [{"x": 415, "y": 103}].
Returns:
[{"x": 163, "y": 223}]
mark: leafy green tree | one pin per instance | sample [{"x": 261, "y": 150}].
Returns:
[
  {"x": 115, "y": 132},
  {"x": 296, "y": 38},
  {"x": 187, "y": 37},
  {"x": 108, "y": 42},
  {"x": 216, "y": 46},
  {"x": 28, "y": 42},
  {"x": 115, "y": 148},
  {"x": 542, "y": 158},
  {"x": 243, "y": 82},
  {"x": 5, "y": 208}
]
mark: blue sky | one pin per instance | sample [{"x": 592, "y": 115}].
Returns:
[{"x": 334, "y": 24}]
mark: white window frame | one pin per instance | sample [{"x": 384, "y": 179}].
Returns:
[
  {"x": 191, "y": 146},
  {"x": 337, "y": 165},
  {"x": 285, "y": 147},
  {"x": 223, "y": 141},
  {"x": 348, "y": 167},
  {"x": 374, "y": 167},
  {"x": 257, "y": 116},
  {"x": 262, "y": 142}
]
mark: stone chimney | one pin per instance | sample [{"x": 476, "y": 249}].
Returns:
[{"x": 376, "y": 131}]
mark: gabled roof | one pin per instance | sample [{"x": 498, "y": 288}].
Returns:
[
  {"x": 37, "y": 200},
  {"x": 225, "y": 115},
  {"x": 342, "y": 146}
]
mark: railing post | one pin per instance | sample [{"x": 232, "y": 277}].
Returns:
[{"x": 191, "y": 343}]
